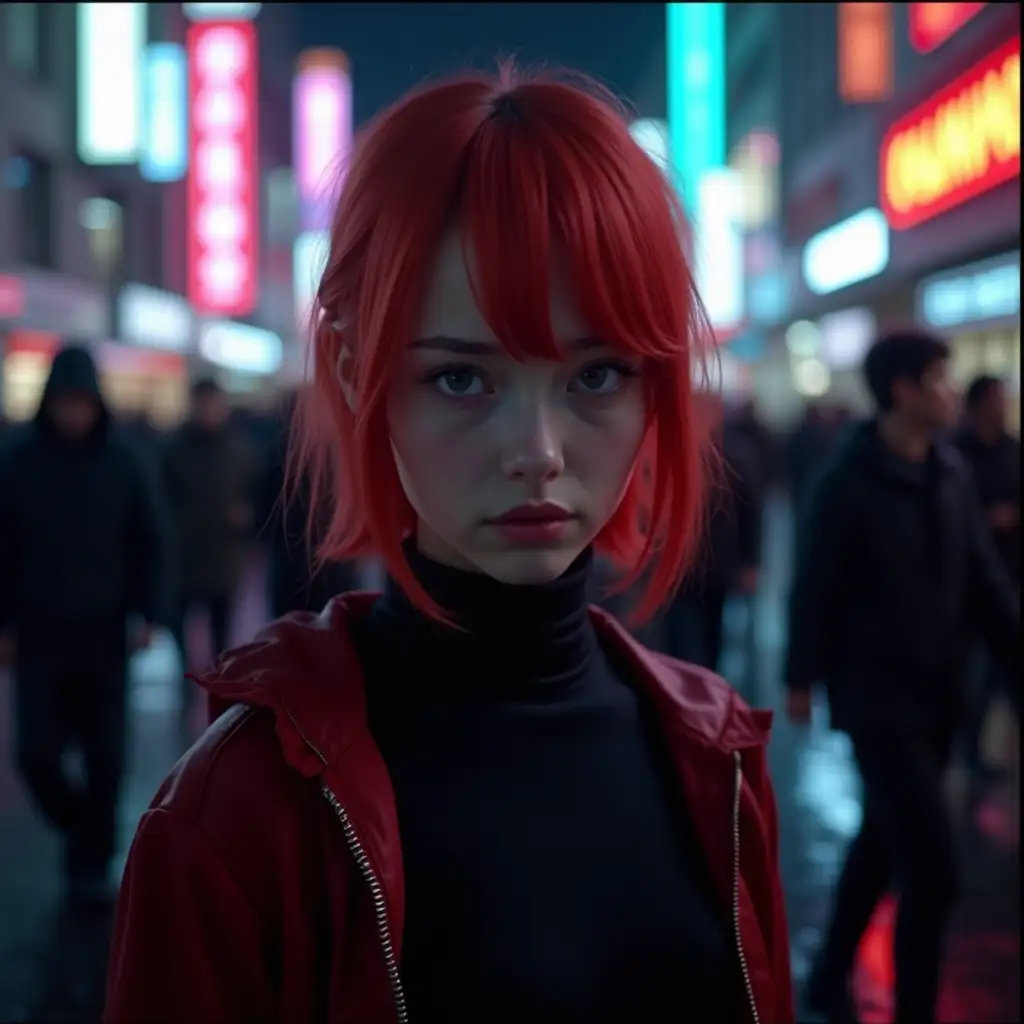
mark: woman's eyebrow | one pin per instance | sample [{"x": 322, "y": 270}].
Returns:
[{"x": 466, "y": 347}]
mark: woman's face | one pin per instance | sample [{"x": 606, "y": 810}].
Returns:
[{"x": 478, "y": 435}]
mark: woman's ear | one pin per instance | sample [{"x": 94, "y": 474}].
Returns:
[{"x": 346, "y": 376}]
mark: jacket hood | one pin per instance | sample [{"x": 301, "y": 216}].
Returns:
[
  {"x": 73, "y": 369},
  {"x": 305, "y": 669}
]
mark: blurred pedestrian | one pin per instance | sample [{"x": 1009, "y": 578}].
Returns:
[
  {"x": 83, "y": 549},
  {"x": 211, "y": 477},
  {"x": 994, "y": 460},
  {"x": 894, "y": 571},
  {"x": 730, "y": 552},
  {"x": 296, "y": 580}
]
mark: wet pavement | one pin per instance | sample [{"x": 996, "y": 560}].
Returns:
[{"x": 51, "y": 965}]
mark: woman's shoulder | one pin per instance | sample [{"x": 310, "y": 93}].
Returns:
[{"x": 233, "y": 785}]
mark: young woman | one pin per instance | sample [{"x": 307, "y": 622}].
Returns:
[{"x": 470, "y": 798}]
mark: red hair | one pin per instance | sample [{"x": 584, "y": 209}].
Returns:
[{"x": 526, "y": 167}]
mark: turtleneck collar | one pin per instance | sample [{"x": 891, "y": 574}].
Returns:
[{"x": 514, "y": 640}]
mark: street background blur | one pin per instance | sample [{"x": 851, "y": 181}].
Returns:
[{"x": 166, "y": 177}]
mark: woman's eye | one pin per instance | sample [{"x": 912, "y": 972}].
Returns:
[
  {"x": 601, "y": 379},
  {"x": 459, "y": 383}
]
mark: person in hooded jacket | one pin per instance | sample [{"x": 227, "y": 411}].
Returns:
[
  {"x": 83, "y": 582},
  {"x": 472, "y": 797}
]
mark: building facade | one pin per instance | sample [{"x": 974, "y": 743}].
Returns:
[{"x": 875, "y": 205}]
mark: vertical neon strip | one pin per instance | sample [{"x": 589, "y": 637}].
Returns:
[
  {"x": 322, "y": 133},
  {"x": 111, "y": 40},
  {"x": 695, "y": 62},
  {"x": 223, "y": 179},
  {"x": 165, "y": 136}
]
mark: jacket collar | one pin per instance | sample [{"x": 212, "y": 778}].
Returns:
[{"x": 304, "y": 668}]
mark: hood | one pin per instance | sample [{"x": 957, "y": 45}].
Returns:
[
  {"x": 73, "y": 369},
  {"x": 304, "y": 668}
]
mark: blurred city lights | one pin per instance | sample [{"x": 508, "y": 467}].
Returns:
[
  {"x": 165, "y": 136},
  {"x": 111, "y": 41},
  {"x": 851, "y": 251},
  {"x": 223, "y": 180},
  {"x": 220, "y": 12},
  {"x": 322, "y": 133},
  {"x": 957, "y": 145},
  {"x": 240, "y": 347}
]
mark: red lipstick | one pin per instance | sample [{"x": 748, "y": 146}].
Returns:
[{"x": 533, "y": 524}]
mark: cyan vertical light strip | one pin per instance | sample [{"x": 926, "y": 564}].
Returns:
[
  {"x": 695, "y": 64},
  {"x": 164, "y": 156}
]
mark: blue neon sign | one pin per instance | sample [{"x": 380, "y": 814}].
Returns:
[
  {"x": 165, "y": 124},
  {"x": 695, "y": 61}
]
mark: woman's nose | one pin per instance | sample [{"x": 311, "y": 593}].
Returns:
[{"x": 534, "y": 450}]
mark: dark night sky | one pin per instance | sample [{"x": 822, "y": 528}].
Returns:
[{"x": 394, "y": 46}]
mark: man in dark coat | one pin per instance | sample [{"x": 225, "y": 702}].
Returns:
[
  {"x": 210, "y": 471},
  {"x": 82, "y": 551},
  {"x": 894, "y": 571},
  {"x": 993, "y": 457}
]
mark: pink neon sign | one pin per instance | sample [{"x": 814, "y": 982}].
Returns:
[
  {"x": 223, "y": 186},
  {"x": 322, "y": 133}
]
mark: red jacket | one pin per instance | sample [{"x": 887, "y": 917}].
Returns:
[{"x": 265, "y": 881}]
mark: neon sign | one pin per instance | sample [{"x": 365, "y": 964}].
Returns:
[
  {"x": 931, "y": 24},
  {"x": 322, "y": 132},
  {"x": 223, "y": 198},
  {"x": 962, "y": 142}
]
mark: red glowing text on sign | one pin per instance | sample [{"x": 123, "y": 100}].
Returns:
[
  {"x": 959, "y": 144},
  {"x": 931, "y": 24},
  {"x": 222, "y": 178}
]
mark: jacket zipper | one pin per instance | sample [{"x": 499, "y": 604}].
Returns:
[
  {"x": 380, "y": 908},
  {"x": 737, "y": 932}
]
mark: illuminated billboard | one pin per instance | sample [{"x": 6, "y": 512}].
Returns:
[
  {"x": 695, "y": 61},
  {"x": 851, "y": 251},
  {"x": 223, "y": 185},
  {"x": 321, "y": 133},
  {"x": 957, "y": 145},
  {"x": 931, "y": 24},
  {"x": 164, "y": 154},
  {"x": 111, "y": 41}
]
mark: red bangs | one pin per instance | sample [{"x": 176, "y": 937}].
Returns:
[{"x": 542, "y": 177}]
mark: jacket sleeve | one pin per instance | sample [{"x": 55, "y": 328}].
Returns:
[
  {"x": 148, "y": 539},
  {"x": 187, "y": 943},
  {"x": 993, "y": 599},
  {"x": 818, "y": 575}
]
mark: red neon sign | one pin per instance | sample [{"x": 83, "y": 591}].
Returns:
[
  {"x": 957, "y": 145},
  {"x": 932, "y": 24},
  {"x": 223, "y": 186}
]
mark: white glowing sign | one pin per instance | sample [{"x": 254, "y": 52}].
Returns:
[
  {"x": 154, "y": 319},
  {"x": 111, "y": 41},
  {"x": 240, "y": 347},
  {"x": 719, "y": 247},
  {"x": 165, "y": 136},
  {"x": 223, "y": 197},
  {"x": 851, "y": 251}
]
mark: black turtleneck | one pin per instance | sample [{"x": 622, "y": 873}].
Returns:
[{"x": 552, "y": 875}]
